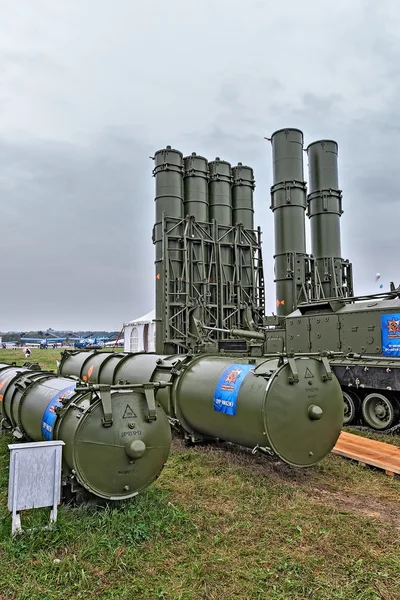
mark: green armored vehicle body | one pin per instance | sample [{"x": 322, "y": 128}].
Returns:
[{"x": 367, "y": 332}]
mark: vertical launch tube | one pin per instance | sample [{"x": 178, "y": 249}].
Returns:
[
  {"x": 242, "y": 196},
  {"x": 243, "y": 185},
  {"x": 220, "y": 195},
  {"x": 195, "y": 205},
  {"x": 195, "y": 180},
  {"x": 288, "y": 203},
  {"x": 324, "y": 210},
  {"x": 168, "y": 173}
]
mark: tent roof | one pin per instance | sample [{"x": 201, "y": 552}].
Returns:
[{"x": 147, "y": 318}]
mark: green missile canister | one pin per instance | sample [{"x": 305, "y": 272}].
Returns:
[
  {"x": 324, "y": 210},
  {"x": 220, "y": 198},
  {"x": 116, "y": 444},
  {"x": 220, "y": 194},
  {"x": 263, "y": 406},
  {"x": 168, "y": 173},
  {"x": 290, "y": 408},
  {"x": 243, "y": 185},
  {"x": 196, "y": 187},
  {"x": 288, "y": 203}
]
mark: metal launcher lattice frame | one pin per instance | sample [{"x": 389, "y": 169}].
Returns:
[{"x": 213, "y": 274}]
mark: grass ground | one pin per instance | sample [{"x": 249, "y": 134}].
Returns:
[{"x": 219, "y": 524}]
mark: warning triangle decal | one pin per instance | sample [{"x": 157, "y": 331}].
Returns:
[
  {"x": 129, "y": 414},
  {"x": 308, "y": 374}
]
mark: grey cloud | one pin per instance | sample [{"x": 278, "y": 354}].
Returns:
[
  {"x": 79, "y": 237},
  {"x": 92, "y": 92},
  {"x": 31, "y": 61},
  {"x": 368, "y": 166}
]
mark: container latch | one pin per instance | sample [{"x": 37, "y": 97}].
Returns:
[
  {"x": 294, "y": 377},
  {"x": 328, "y": 371},
  {"x": 150, "y": 401},
  {"x": 105, "y": 397}
]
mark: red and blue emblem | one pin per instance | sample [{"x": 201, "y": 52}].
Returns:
[{"x": 228, "y": 386}]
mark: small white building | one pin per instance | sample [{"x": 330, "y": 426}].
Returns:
[{"x": 139, "y": 334}]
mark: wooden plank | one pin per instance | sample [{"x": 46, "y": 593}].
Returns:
[{"x": 370, "y": 452}]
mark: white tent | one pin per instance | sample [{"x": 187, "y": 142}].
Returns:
[{"x": 139, "y": 334}]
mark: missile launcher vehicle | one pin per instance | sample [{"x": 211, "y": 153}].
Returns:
[
  {"x": 117, "y": 438},
  {"x": 316, "y": 307},
  {"x": 220, "y": 287}
]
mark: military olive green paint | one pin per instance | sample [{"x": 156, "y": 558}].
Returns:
[
  {"x": 324, "y": 200},
  {"x": 288, "y": 203},
  {"x": 110, "y": 368},
  {"x": 90, "y": 366},
  {"x": 196, "y": 187},
  {"x": 220, "y": 198},
  {"x": 273, "y": 411},
  {"x": 102, "y": 460},
  {"x": 243, "y": 185},
  {"x": 285, "y": 426},
  {"x": 220, "y": 194},
  {"x": 196, "y": 205},
  {"x": 168, "y": 173},
  {"x": 324, "y": 210},
  {"x": 353, "y": 329}
]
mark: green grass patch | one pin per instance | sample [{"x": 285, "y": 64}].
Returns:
[
  {"x": 218, "y": 524},
  {"x": 221, "y": 524}
]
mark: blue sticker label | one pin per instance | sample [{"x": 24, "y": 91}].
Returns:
[
  {"x": 50, "y": 416},
  {"x": 228, "y": 388},
  {"x": 390, "y": 327}
]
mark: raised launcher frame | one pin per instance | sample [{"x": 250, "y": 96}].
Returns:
[{"x": 197, "y": 286}]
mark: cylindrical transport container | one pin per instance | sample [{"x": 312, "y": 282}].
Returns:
[
  {"x": 220, "y": 194},
  {"x": 243, "y": 185},
  {"x": 243, "y": 216},
  {"x": 113, "y": 450},
  {"x": 288, "y": 203},
  {"x": 220, "y": 199},
  {"x": 291, "y": 408},
  {"x": 196, "y": 187},
  {"x": 324, "y": 210},
  {"x": 168, "y": 173},
  {"x": 113, "y": 368},
  {"x": 259, "y": 406},
  {"x": 92, "y": 366}
]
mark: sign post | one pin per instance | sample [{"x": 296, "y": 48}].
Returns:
[{"x": 35, "y": 479}]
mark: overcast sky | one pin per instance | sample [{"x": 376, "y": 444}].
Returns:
[{"x": 90, "y": 89}]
